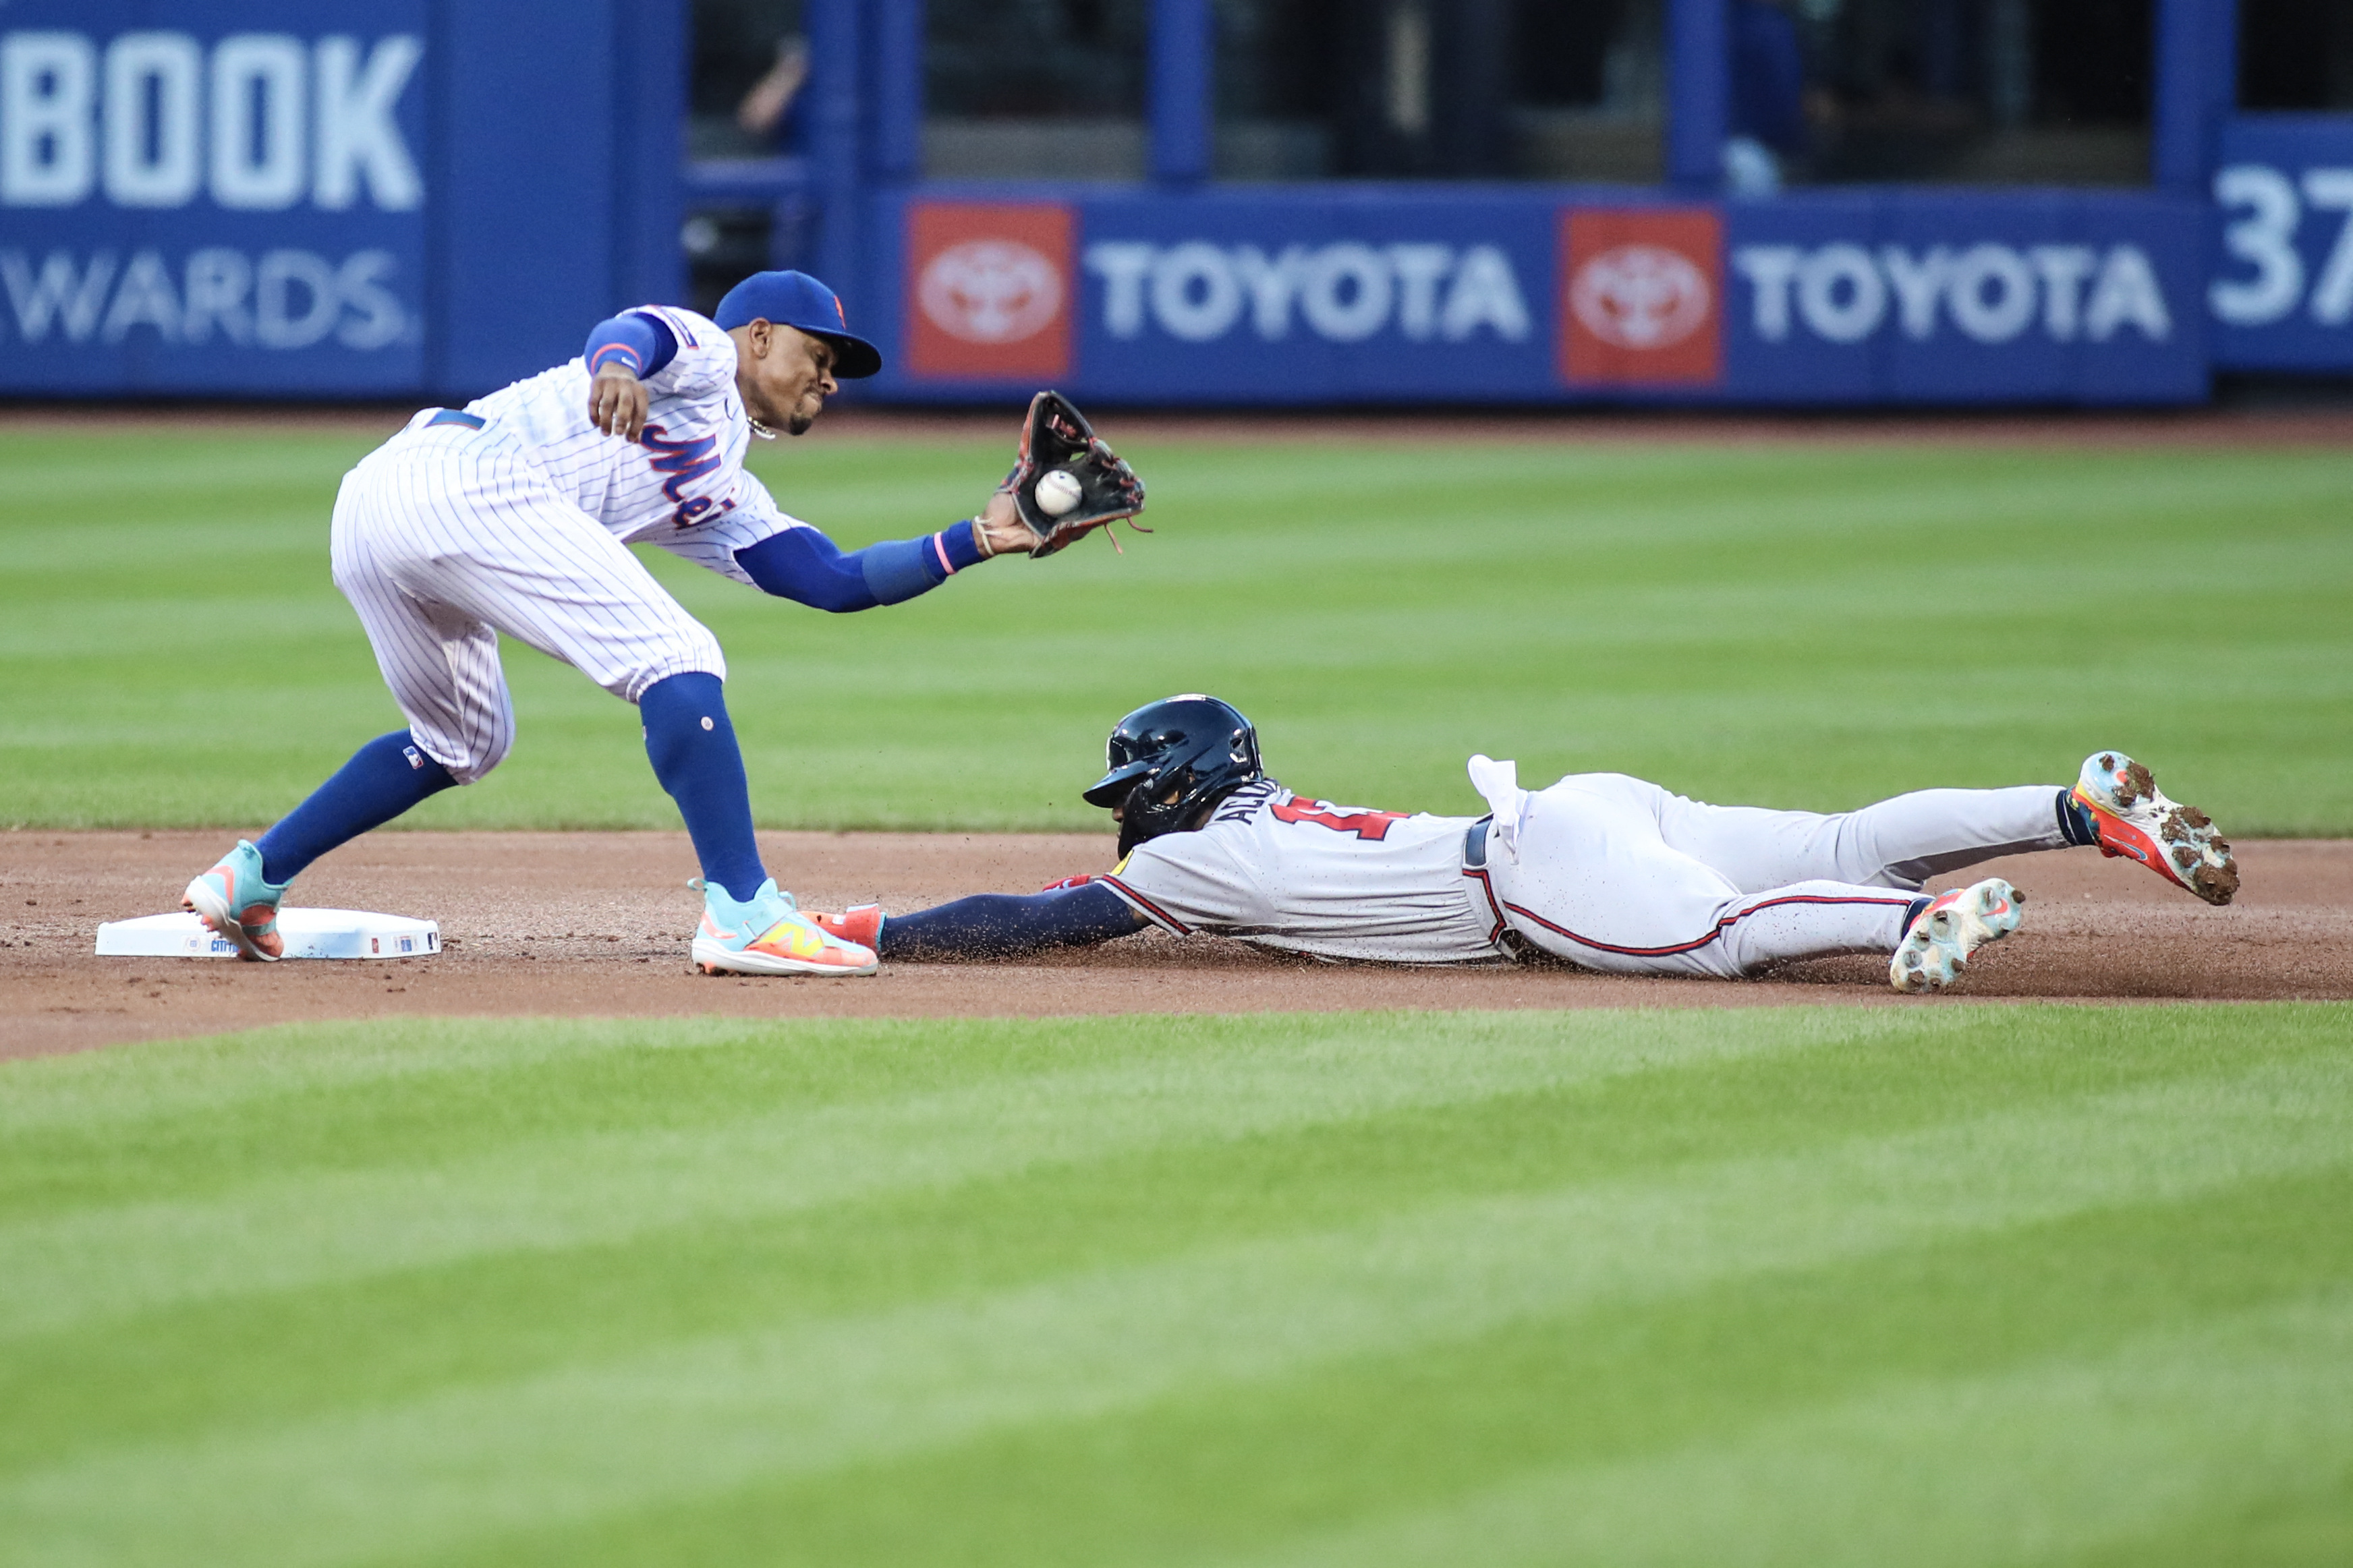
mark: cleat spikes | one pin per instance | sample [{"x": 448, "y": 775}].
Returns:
[
  {"x": 2133, "y": 819},
  {"x": 1937, "y": 947}
]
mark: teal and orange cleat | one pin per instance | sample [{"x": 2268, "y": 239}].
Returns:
[
  {"x": 766, "y": 935},
  {"x": 2133, "y": 820},
  {"x": 234, "y": 900},
  {"x": 1955, "y": 924}
]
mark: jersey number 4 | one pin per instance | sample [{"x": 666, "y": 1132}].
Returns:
[{"x": 1374, "y": 825}]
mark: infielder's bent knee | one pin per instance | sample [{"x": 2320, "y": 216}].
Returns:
[
  {"x": 697, "y": 655},
  {"x": 471, "y": 760}
]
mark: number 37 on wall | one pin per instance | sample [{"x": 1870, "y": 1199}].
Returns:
[{"x": 2263, "y": 208}]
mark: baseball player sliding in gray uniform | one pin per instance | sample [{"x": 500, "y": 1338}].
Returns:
[
  {"x": 514, "y": 515},
  {"x": 1606, "y": 871}
]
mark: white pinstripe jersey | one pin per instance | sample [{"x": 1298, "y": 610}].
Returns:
[
  {"x": 1306, "y": 876},
  {"x": 682, "y": 486}
]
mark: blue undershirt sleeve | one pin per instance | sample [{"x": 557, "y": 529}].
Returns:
[
  {"x": 805, "y": 566},
  {"x": 897, "y": 569},
  {"x": 642, "y": 343},
  {"x": 1003, "y": 925}
]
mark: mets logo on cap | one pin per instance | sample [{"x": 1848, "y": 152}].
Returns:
[
  {"x": 1641, "y": 296},
  {"x": 988, "y": 289}
]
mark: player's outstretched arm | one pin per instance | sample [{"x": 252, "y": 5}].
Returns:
[
  {"x": 805, "y": 566},
  {"x": 1007, "y": 925}
]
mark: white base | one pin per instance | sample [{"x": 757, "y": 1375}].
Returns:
[{"x": 307, "y": 933}]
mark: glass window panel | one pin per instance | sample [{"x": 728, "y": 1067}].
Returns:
[
  {"x": 2295, "y": 54},
  {"x": 1981, "y": 91},
  {"x": 1035, "y": 89},
  {"x": 747, "y": 64},
  {"x": 1548, "y": 90}
]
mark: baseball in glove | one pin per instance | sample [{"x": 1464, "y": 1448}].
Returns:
[{"x": 1085, "y": 483}]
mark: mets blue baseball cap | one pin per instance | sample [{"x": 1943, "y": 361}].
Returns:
[{"x": 797, "y": 299}]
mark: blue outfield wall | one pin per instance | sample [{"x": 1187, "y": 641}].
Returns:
[
  {"x": 327, "y": 198},
  {"x": 426, "y": 198},
  {"x": 1324, "y": 294},
  {"x": 2282, "y": 292},
  {"x": 213, "y": 195}
]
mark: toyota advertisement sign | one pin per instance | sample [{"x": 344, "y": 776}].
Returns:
[
  {"x": 991, "y": 295},
  {"x": 1339, "y": 296},
  {"x": 331, "y": 198},
  {"x": 1640, "y": 298}
]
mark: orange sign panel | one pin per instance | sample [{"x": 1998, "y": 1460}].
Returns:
[
  {"x": 990, "y": 289},
  {"x": 1641, "y": 296}
]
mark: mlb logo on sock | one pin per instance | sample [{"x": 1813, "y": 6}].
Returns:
[
  {"x": 416, "y": 758},
  {"x": 1641, "y": 296}
]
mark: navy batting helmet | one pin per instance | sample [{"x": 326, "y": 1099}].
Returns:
[{"x": 1169, "y": 758}]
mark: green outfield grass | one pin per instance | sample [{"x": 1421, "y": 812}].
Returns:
[
  {"x": 1939, "y": 1286},
  {"x": 1781, "y": 625}
]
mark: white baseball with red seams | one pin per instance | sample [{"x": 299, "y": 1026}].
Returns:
[{"x": 1057, "y": 492}]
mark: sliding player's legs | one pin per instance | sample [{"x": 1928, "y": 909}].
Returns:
[
  {"x": 1900, "y": 842},
  {"x": 1595, "y": 881}
]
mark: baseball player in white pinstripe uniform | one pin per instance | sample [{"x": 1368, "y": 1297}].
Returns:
[{"x": 514, "y": 515}]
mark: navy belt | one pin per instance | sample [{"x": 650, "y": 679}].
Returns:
[
  {"x": 456, "y": 416},
  {"x": 1475, "y": 857}
]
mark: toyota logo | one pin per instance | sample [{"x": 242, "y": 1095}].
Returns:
[
  {"x": 1640, "y": 296},
  {"x": 990, "y": 291}
]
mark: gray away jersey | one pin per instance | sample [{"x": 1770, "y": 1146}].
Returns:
[{"x": 1306, "y": 876}]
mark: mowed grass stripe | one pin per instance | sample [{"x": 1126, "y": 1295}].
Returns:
[
  {"x": 534, "y": 1307},
  {"x": 342, "y": 1178},
  {"x": 1222, "y": 1470},
  {"x": 96, "y": 1127},
  {"x": 120, "y": 1101},
  {"x": 2033, "y": 1464},
  {"x": 529, "y": 1186},
  {"x": 689, "y": 1419}
]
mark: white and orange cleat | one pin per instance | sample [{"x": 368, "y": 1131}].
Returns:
[
  {"x": 1937, "y": 948},
  {"x": 2133, "y": 819},
  {"x": 766, "y": 935}
]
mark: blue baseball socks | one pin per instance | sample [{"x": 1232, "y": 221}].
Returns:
[
  {"x": 693, "y": 747},
  {"x": 384, "y": 778},
  {"x": 688, "y": 737}
]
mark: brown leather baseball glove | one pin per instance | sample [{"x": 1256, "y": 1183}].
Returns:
[{"x": 1057, "y": 439}]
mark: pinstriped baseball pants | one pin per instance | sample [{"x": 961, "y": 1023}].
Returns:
[{"x": 445, "y": 537}]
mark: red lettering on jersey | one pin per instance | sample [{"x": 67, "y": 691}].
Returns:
[{"x": 1373, "y": 824}]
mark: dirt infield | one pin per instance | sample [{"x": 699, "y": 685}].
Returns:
[{"x": 595, "y": 924}]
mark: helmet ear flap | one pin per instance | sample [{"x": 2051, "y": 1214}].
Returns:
[{"x": 1138, "y": 816}]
